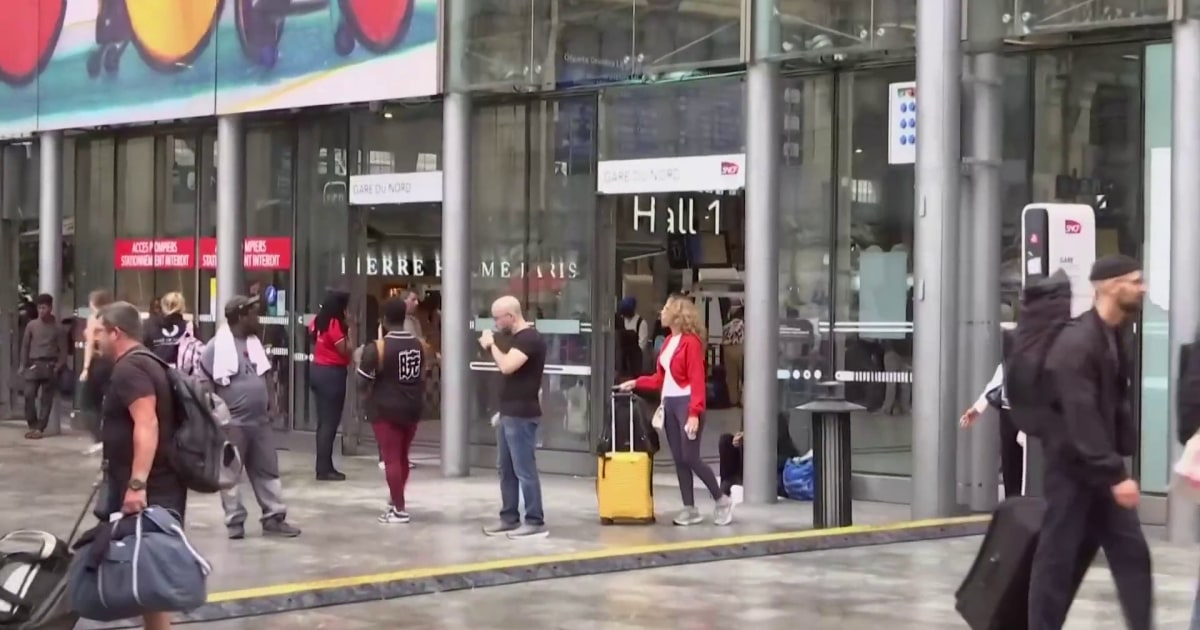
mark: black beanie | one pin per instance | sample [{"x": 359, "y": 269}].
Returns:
[{"x": 1113, "y": 266}]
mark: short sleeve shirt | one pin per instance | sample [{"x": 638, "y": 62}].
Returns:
[{"x": 325, "y": 351}]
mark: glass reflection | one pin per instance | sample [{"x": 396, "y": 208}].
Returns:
[
  {"x": 1027, "y": 17},
  {"x": 813, "y": 29}
]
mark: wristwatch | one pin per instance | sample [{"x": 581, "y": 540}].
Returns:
[{"x": 137, "y": 485}]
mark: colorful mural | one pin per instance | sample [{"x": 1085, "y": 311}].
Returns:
[{"x": 84, "y": 63}]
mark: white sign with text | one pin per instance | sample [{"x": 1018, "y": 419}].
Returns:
[
  {"x": 395, "y": 188},
  {"x": 697, "y": 173}
]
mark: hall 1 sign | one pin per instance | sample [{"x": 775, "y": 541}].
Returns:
[
  {"x": 166, "y": 254},
  {"x": 680, "y": 217}
]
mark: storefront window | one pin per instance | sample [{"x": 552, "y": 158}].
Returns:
[
  {"x": 700, "y": 117},
  {"x": 806, "y": 202},
  {"x": 1031, "y": 17},
  {"x": 527, "y": 44},
  {"x": 533, "y": 221},
  {"x": 19, "y": 173}
]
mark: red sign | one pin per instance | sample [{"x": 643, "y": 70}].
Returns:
[
  {"x": 154, "y": 253},
  {"x": 729, "y": 168},
  {"x": 259, "y": 254},
  {"x": 1074, "y": 227}
]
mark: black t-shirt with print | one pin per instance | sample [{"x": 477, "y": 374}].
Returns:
[
  {"x": 519, "y": 390},
  {"x": 136, "y": 376},
  {"x": 397, "y": 391}
]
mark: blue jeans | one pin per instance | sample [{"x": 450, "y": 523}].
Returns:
[{"x": 516, "y": 445}]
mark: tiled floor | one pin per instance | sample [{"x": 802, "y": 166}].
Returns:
[{"x": 896, "y": 587}]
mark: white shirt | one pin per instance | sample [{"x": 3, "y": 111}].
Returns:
[
  {"x": 997, "y": 382},
  {"x": 671, "y": 389},
  {"x": 638, "y": 325}
]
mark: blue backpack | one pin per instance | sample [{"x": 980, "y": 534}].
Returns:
[{"x": 798, "y": 478}]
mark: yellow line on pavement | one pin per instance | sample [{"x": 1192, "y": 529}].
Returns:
[{"x": 295, "y": 588}]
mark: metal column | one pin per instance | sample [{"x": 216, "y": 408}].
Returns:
[
  {"x": 456, "y": 286},
  {"x": 230, "y": 219},
  {"x": 963, "y": 481},
  {"x": 50, "y": 217},
  {"x": 1184, "y": 311},
  {"x": 983, "y": 319},
  {"x": 761, "y": 395},
  {"x": 935, "y": 248}
]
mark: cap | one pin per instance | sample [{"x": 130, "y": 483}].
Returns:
[
  {"x": 239, "y": 304},
  {"x": 1113, "y": 266}
]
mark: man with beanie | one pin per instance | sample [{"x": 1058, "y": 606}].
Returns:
[{"x": 1091, "y": 498}]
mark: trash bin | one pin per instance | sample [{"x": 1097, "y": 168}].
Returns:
[{"x": 831, "y": 454}]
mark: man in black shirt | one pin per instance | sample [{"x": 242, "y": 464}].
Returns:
[
  {"x": 391, "y": 387},
  {"x": 138, "y": 428},
  {"x": 1091, "y": 498},
  {"x": 521, "y": 366}
]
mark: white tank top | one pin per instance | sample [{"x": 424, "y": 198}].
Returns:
[{"x": 670, "y": 388}]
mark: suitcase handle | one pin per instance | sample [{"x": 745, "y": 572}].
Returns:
[{"x": 612, "y": 442}]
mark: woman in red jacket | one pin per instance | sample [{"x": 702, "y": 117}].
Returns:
[{"x": 679, "y": 376}]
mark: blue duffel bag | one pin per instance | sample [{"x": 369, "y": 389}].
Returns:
[
  {"x": 137, "y": 564},
  {"x": 798, "y": 478}
]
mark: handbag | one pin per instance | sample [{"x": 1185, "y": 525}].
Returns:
[
  {"x": 657, "y": 419},
  {"x": 137, "y": 564},
  {"x": 1186, "y": 478}
]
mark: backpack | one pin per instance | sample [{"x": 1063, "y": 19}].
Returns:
[
  {"x": 1187, "y": 391},
  {"x": 190, "y": 351},
  {"x": 204, "y": 459},
  {"x": 1046, "y": 311}
]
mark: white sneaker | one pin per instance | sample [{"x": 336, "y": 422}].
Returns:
[
  {"x": 93, "y": 449},
  {"x": 394, "y": 517},
  {"x": 738, "y": 494},
  {"x": 381, "y": 466}
]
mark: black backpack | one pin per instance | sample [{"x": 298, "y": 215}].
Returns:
[
  {"x": 1187, "y": 391},
  {"x": 1045, "y": 312},
  {"x": 203, "y": 457}
]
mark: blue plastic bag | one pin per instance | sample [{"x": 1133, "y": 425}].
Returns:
[{"x": 798, "y": 478}]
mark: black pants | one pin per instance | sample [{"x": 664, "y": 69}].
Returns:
[
  {"x": 39, "y": 402},
  {"x": 1012, "y": 456},
  {"x": 1080, "y": 520},
  {"x": 328, "y": 383},
  {"x": 687, "y": 451},
  {"x": 730, "y": 462}
]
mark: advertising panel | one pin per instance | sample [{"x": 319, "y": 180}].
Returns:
[
  {"x": 85, "y": 63},
  {"x": 271, "y": 253}
]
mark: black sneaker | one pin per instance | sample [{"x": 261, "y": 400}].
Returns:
[
  {"x": 280, "y": 528},
  {"x": 500, "y": 529},
  {"x": 331, "y": 476},
  {"x": 236, "y": 532}
]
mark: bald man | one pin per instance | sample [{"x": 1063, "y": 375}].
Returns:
[{"x": 521, "y": 364}]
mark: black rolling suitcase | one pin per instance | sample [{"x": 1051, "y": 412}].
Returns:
[{"x": 995, "y": 593}]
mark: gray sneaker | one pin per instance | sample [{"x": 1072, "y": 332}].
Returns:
[
  {"x": 501, "y": 529},
  {"x": 723, "y": 514},
  {"x": 688, "y": 516},
  {"x": 236, "y": 532},
  {"x": 529, "y": 531},
  {"x": 280, "y": 528}
]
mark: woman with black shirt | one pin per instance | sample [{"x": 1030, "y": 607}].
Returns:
[{"x": 165, "y": 329}]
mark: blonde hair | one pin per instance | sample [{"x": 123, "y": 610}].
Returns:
[
  {"x": 681, "y": 313},
  {"x": 172, "y": 303}
]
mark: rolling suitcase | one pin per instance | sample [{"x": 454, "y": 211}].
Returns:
[
  {"x": 995, "y": 593},
  {"x": 624, "y": 479}
]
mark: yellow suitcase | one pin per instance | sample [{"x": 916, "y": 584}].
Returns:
[{"x": 624, "y": 479}]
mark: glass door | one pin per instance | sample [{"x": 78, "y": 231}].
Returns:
[
  {"x": 357, "y": 438},
  {"x": 10, "y": 298}
]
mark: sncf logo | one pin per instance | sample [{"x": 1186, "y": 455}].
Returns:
[
  {"x": 730, "y": 168},
  {"x": 1074, "y": 227}
]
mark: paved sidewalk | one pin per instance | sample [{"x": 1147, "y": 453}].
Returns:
[
  {"x": 48, "y": 481},
  {"x": 908, "y": 586}
]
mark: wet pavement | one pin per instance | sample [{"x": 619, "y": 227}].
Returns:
[
  {"x": 341, "y": 536},
  {"x": 906, "y": 586}
]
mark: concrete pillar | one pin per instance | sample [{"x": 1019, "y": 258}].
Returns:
[
  {"x": 1184, "y": 302},
  {"x": 761, "y": 396},
  {"x": 231, "y": 220},
  {"x": 935, "y": 257},
  {"x": 964, "y": 481},
  {"x": 456, "y": 286},
  {"x": 982, "y": 351},
  {"x": 50, "y": 216}
]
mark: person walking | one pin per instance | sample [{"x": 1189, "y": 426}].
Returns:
[
  {"x": 97, "y": 368},
  {"x": 168, "y": 327},
  {"x": 1012, "y": 450},
  {"x": 139, "y": 428},
  {"x": 1090, "y": 496},
  {"x": 680, "y": 377},
  {"x": 520, "y": 354},
  {"x": 332, "y": 351},
  {"x": 43, "y": 355},
  {"x": 392, "y": 390},
  {"x": 237, "y": 364}
]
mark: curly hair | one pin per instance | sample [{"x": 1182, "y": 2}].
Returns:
[{"x": 680, "y": 313}]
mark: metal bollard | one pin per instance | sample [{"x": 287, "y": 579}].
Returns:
[{"x": 831, "y": 454}]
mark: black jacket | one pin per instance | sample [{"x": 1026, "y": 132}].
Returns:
[{"x": 1095, "y": 430}]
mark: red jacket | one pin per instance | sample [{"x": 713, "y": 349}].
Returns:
[{"x": 687, "y": 368}]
